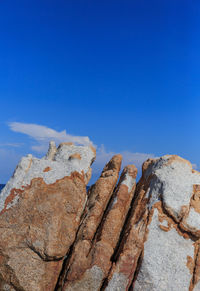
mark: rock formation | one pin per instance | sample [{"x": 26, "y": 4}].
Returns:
[
  {"x": 40, "y": 211},
  {"x": 118, "y": 236}
]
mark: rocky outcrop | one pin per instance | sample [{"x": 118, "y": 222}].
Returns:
[
  {"x": 40, "y": 211},
  {"x": 118, "y": 236},
  {"x": 91, "y": 258},
  {"x": 160, "y": 252}
]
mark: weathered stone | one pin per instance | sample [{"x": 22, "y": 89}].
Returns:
[
  {"x": 162, "y": 244},
  {"x": 95, "y": 257},
  {"x": 55, "y": 236},
  {"x": 99, "y": 196},
  {"x": 40, "y": 211}
]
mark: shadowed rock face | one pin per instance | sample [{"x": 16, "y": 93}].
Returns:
[{"x": 118, "y": 236}]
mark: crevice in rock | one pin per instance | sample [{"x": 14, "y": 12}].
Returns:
[
  {"x": 64, "y": 270},
  {"x": 65, "y": 267},
  {"x": 125, "y": 230},
  {"x": 127, "y": 226},
  {"x": 45, "y": 258},
  {"x": 195, "y": 276},
  {"x": 125, "y": 233},
  {"x": 139, "y": 263},
  {"x": 97, "y": 234},
  {"x": 179, "y": 228},
  {"x": 62, "y": 275},
  {"x": 105, "y": 282}
]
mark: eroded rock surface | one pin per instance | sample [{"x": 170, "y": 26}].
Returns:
[
  {"x": 161, "y": 249},
  {"x": 91, "y": 257},
  {"x": 171, "y": 246},
  {"x": 118, "y": 236},
  {"x": 40, "y": 211}
]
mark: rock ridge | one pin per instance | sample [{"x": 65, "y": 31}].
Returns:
[{"x": 118, "y": 235}]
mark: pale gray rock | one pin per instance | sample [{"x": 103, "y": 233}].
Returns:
[
  {"x": 164, "y": 266},
  {"x": 58, "y": 163},
  {"x": 90, "y": 280},
  {"x": 169, "y": 253}
]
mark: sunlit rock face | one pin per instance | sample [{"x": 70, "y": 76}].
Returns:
[
  {"x": 40, "y": 211},
  {"x": 118, "y": 236},
  {"x": 161, "y": 251}
]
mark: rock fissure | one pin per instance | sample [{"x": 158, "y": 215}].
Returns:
[
  {"x": 139, "y": 263},
  {"x": 186, "y": 234},
  {"x": 196, "y": 267}
]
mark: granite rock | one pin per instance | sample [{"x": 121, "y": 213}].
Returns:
[
  {"x": 40, "y": 211},
  {"x": 118, "y": 236},
  {"x": 161, "y": 248}
]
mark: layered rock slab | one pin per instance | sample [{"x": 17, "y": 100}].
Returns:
[
  {"x": 40, "y": 211},
  {"x": 95, "y": 260},
  {"x": 99, "y": 196}
]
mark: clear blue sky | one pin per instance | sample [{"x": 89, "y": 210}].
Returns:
[{"x": 124, "y": 73}]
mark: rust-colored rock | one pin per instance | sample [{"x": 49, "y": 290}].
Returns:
[
  {"x": 99, "y": 196},
  {"x": 91, "y": 259},
  {"x": 40, "y": 212},
  {"x": 55, "y": 236}
]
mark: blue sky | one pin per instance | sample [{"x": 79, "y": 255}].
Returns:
[{"x": 124, "y": 73}]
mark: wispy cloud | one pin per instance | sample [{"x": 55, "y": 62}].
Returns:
[
  {"x": 43, "y": 134},
  {"x": 15, "y": 145}
]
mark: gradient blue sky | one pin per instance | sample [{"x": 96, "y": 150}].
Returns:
[{"x": 124, "y": 73}]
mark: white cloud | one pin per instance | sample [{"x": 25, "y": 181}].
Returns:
[
  {"x": 15, "y": 145},
  {"x": 43, "y": 135}
]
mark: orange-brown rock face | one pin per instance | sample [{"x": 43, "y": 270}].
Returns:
[
  {"x": 91, "y": 258},
  {"x": 39, "y": 216},
  {"x": 55, "y": 236}
]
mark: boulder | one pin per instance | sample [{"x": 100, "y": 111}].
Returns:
[
  {"x": 161, "y": 250},
  {"x": 40, "y": 211}
]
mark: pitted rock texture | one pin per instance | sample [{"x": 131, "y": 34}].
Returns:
[{"x": 118, "y": 236}]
